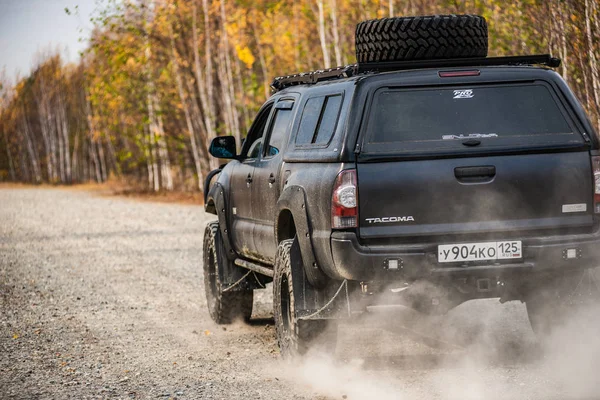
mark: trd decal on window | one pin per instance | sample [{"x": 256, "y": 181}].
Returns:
[{"x": 463, "y": 94}]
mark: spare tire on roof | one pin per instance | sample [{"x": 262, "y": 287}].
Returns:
[{"x": 421, "y": 38}]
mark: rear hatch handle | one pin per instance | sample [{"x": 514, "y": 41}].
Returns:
[{"x": 478, "y": 174}]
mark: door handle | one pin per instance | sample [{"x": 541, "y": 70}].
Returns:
[
  {"x": 271, "y": 178},
  {"x": 249, "y": 179},
  {"x": 475, "y": 174}
]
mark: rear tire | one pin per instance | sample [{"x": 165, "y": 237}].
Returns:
[
  {"x": 560, "y": 301},
  {"x": 295, "y": 337},
  {"x": 421, "y": 38},
  {"x": 224, "y": 307}
]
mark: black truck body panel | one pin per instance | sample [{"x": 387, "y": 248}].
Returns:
[
  {"x": 523, "y": 192},
  {"x": 455, "y": 194}
]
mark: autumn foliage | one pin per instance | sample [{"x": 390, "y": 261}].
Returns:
[{"x": 160, "y": 79}]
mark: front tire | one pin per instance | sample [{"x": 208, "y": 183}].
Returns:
[
  {"x": 295, "y": 337},
  {"x": 224, "y": 307}
]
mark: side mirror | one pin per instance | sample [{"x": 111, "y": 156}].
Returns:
[{"x": 223, "y": 147}]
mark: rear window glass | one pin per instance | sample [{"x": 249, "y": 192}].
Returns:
[
  {"x": 459, "y": 113},
  {"x": 310, "y": 119},
  {"x": 319, "y": 119}
]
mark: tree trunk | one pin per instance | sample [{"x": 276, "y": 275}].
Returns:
[
  {"x": 61, "y": 148},
  {"x": 228, "y": 86},
  {"x": 186, "y": 111},
  {"x": 163, "y": 151},
  {"x": 593, "y": 61},
  {"x": 11, "y": 167},
  {"x": 31, "y": 151},
  {"x": 263, "y": 63},
  {"x": 102, "y": 158},
  {"x": 336, "y": 35},
  {"x": 75, "y": 175},
  {"x": 45, "y": 134},
  {"x": 65, "y": 133},
  {"x": 204, "y": 80},
  {"x": 242, "y": 93},
  {"x": 322, "y": 38},
  {"x": 209, "y": 63}
]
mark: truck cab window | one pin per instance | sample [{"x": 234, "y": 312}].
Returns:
[
  {"x": 277, "y": 135},
  {"x": 254, "y": 140}
]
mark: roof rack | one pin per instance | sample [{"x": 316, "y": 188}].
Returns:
[
  {"x": 312, "y": 77},
  {"x": 282, "y": 82}
]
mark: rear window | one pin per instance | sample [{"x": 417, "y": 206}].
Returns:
[{"x": 489, "y": 113}]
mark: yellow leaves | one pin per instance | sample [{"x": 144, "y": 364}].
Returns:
[
  {"x": 245, "y": 55},
  {"x": 131, "y": 63}
]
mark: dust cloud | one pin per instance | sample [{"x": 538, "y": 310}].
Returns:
[{"x": 480, "y": 350}]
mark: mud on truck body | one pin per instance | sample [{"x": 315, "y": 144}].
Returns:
[{"x": 425, "y": 175}]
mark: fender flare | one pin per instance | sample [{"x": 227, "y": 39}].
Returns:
[
  {"x": 217, "y": 196},
  {"x": 293, "y": 199},
  {"x": 207, "y": 189}
]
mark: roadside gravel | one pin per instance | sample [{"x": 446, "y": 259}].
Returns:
[{"x": 102, "y": 297}]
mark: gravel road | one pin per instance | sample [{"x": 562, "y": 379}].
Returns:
[{"x": 102, "y": 297}]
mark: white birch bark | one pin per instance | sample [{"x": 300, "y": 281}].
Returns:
[
  {"x": 93, "y": 155},
  {"x": 186, "y": 112},
  {"x": 61, "y": 148},
  {"x": 163, "y": 151},
  {"x": 336, "y": 35},
  {"x": 11, "y": 167},
  {"x": 322, "y": 38},
  {"x": 263, "y": 63},
  {"x": 592, "y": 58},
  {"x": 229, "y": 86},
  {"x": 209, "y": 62},
  {"x": 65, "y": 132},
  {"x": 204, "y": 80},
  {"x": 42, "y": 115},
  {"x": 34, "y": 161}
]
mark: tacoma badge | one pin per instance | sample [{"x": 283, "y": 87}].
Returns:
[{"x": 408, "y": 218}]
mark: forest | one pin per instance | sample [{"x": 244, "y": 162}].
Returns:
[{"x": 159, "y": 79}]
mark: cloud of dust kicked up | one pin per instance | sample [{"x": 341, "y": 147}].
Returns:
[{"x": 479, "y": 350}]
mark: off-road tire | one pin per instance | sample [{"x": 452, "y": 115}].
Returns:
[
  {"x": 559, "y": 300},
  {"x": 295, "y": 337},
  {"x": 223, "y": 307},
  {"x": 421, "y": 38}
]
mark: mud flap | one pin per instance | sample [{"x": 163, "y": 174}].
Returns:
[
  {"x": 293, "y": 198},
  {"x": 329, "y": 302}
]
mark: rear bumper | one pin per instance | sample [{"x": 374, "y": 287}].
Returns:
[{"x": 354, "y": 261}]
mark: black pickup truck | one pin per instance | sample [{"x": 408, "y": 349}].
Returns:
[{"x": 426, "y": 181}]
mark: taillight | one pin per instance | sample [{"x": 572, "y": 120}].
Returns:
[
  {"x": 344, "y": 201},
  {"x": 596, "y": 166}
]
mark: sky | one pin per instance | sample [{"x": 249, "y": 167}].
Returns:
[{"x": 29, "y": 26}]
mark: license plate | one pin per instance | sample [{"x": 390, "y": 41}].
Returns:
[{"x": 507, "y": 250}]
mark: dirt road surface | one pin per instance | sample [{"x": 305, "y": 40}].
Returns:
[{"x": 103, "y": 298}]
